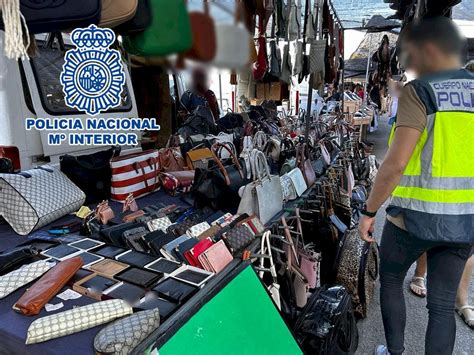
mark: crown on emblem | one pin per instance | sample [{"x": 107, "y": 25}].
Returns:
[{"x": 93, "y": 37}]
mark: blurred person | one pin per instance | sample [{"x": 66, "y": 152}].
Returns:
[
  {"x": 428, "y": 172},
  {"x": 199, "y": 94},
  {"x": 395, "y": 89},
  {"x": 359, "y": 90}
]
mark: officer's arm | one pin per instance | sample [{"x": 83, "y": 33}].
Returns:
[{"x": 393, "y": 166}]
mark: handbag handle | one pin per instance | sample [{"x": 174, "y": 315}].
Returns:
[
  {"x": 266, "y": 249},
  {"x": 214, "y": 148},
  {"x": 140, "y": 166},
  {"x": 261, "y": 166}
]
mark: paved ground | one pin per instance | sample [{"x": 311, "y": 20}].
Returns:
[{"x": 371, "y": 329}]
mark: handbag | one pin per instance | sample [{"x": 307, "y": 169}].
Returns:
[
  {"x": 198, "y": 158},
  {"x": 238, "y": 238},
  {"x": 233, "y": 49},
  {"x": 135, "y": 174},
  {"x": 297, "y": 181},
  {"x": 116, "y": 12},
  {"x": 259, "y": 68},
  {"x": 124, "y": 335},
  {"x": 11, "y": 153},
  {"x": 137, "y": 23},
  {"x": 37, "y": 197},
  {"x": 357, "y": 269},
  {"x": 170, "y": 159},
  {"x": 166, "y": 34},
  {"x": 91, "y": 173},
  {"x": 303, "y": 162},
  {"x": 204, "y": 45},
  {"x": 266, "y": 252},
  {"x": 287, "y": 188},
  {"x": 262, "y": 197},
  {"x": 177, "y": 182},
  {"x": 104, "y": 212},
  {"x": 218, "y": 185}
]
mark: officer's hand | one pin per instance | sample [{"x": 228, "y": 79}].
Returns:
[{"x": 366, "y": 228}]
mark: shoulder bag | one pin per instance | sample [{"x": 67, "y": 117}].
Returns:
[
  {"x": 137, "y": 23},
  {"x": 303, "y": 162},
  {"x": 116, "y": 12},
  {"x": 204, "y": 45}
]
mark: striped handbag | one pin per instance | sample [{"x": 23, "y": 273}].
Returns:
[{"x": 135, "y": 174}]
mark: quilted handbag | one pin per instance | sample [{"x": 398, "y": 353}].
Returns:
[
  {"x": 357, "y": 265},
  {"x": 76, "y": 320},
  {"x": 116, "y": 12},
  {"x": 91, "y": 173},
  {"x": 137, "y": 23},
  {"x": 166, "y": 34},
  {"x": 316, "y": 56},
  {"x": 135, "y": 174},
  {"x": 123, "y": 335},
  {"x": 204, "y": 46},
  {"x": 238, "y": 238},
  {"x": 262, "y": 197},
  {"x": 233, "y": 49},
  {"x": 35, "y": 198}
]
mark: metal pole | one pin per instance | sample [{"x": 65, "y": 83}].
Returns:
[
  {"x": 342, "y": 74},
  {"x": 308, "y": 109},
  {"x": 367, "y": 71},
  {"x": 220, "y": 90}
]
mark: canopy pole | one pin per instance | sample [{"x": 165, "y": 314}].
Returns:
[
  {"x": 220, "y": 90},
  {"x": 366, "y": 96},
  {"x": 343, "y": 69}
]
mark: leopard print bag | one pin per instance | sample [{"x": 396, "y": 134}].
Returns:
[{"x": 357, "y": 264}]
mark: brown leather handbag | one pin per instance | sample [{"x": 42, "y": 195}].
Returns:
[
  {"x": 116, "y": 12},
  {"x": 304, "y": 163},
  {"x": 204, "y": 36},
  {"x": 170, "y": 159},
  {"x": 34, "y": 299}
]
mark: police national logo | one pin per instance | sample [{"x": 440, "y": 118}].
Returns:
[{"x": 93, "y": 75}]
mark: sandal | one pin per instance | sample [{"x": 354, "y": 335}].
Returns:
[
  {"x": 417, "y": 286},
  {"x": 467, "y": 315}
]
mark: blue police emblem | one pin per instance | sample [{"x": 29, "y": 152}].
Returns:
[{"x": 93, "y": 75}]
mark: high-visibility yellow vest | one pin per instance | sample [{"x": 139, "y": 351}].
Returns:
[{"x": 439, "y": 178}]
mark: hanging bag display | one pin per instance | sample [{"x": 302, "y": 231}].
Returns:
[
  {"x": 33, "y": 198},
  {"x": 116, "y": 12},
  {"x": 137, "y": 23},
  {"x": 135, "y": 174},
  {"x": 259, "y": 68},
  {"x": 91, "y": 173},
  {"x": 303, "y": 162},
  {"x": 168, "y": 33}
]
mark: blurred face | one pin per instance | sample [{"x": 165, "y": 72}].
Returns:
[{"x": 199, "y": 78}]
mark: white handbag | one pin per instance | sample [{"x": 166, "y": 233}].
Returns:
[
  {"x": 266, "y": 252},
  {"x": 262, "y": 197},
  {"x": 233, "y": 50},
  {"x": 34, "y": 198},
  {"x": 287, "y": 188},
  {"x": 298, "y": 181}
]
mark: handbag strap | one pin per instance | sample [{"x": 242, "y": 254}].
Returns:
[
  {"x": 261, "y": 166},
  {"x": 139, "y": 166},
  {"x": 266, "y": 250},
  {"x": 214, "y": 149}
]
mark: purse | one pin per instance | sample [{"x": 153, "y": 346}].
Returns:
[
  {"x": 303, "y": 162},
  {"x": 170, "y": 159},
  {"x": 37, "y": 197},
  {"x": 116, "y": 12},
  {"x": 297, "y": 181},
  {"x": 34, "y": 299},
  {"x": 124, "y": 335},
  {"x": 218, "y": 185},
  {"x": 198, "y": 158},
  {"x": 137, "y": 23},
  {"x": 262, "y": 197},
  {"x": 12, "y": 259},
  {"x": 77, "y": 320},
  {"x": 90, "y": 172},
  {"x": 177, "y": 182},
  {"x": 166, "y": 34},
  {"x": 104, "y": 213},
  {"x": 216, "y": 257},
  {"x": 135, "y": 174},
  {"x": 204, "y": 45}
]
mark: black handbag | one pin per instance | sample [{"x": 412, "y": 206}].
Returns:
[
  {"x": 57, "y": 15},
  {"x": 139, "y": 22},
  {"x": 217, "y": 186},
  {"x": 13, "y": 259},
  {"x": 201, "y": 121},
  {"x": 91, "y": 173}
]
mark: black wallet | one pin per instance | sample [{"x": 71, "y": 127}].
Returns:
[
  {"x": 108, "y": 251},
  {"x": 139, "y": 277},
  {"x": 175, "y": 291},
  {"x": 157, "y": 239},
  {"x": 184, "y": 247},
  {"x": 136, "y": 259},
  {"x": 164, "y": 266},
  {"x": 127, "y": 292},
  {"x": 135, "y": 238},
  {"x": 114, "y": 235},
  {"x": 166, "y": 307}
]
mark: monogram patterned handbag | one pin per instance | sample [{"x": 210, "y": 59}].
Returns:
[{"x": 238, "y": 238}]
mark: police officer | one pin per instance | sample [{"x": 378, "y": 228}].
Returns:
[{"x": 429, "y": 172}]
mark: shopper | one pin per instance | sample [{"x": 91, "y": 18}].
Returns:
[
  {"x": 395, "y": 89},
  {"x": 199, "y": 94},
  {"x": 428, "y": 171}
]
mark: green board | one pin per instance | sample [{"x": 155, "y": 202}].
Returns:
[{"x": 241, "y": 319}]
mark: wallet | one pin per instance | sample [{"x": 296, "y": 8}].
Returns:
[
  {"x": 161, "y": 223},
  {"x": 139, "y": 277},
  {"x": 193, "y": 275},
  {"x": 210, "y": 233},
  {"x": 183, "y": 247},
  {"x": 61, "y": 251},
  {"x": 114, "y": 235},
  {"x": 88, "y": 258},
  {"x": 175, "y": 291},
  {"x": 93, "y": 286},
  {"x": 34, "y": 299},
  {"x": 168, "y": 249},
  {"x": 108, "y": 251},
  {"x": 127, "y": 292},
  {"x": 135, "y": 238},
  {"x": 216, "y": 257},
  {"x": 166, "y": 307},
  {"x": 192, "y": 254},
  {"x": 108, "y": 267},
  {"x": 133, "y": 216},
  {"x": 135, "y": 258},
  {"x": 164, "y": 266},
  {"x": 14, "y": 259},
  {"x": 86, "y": 244}
]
